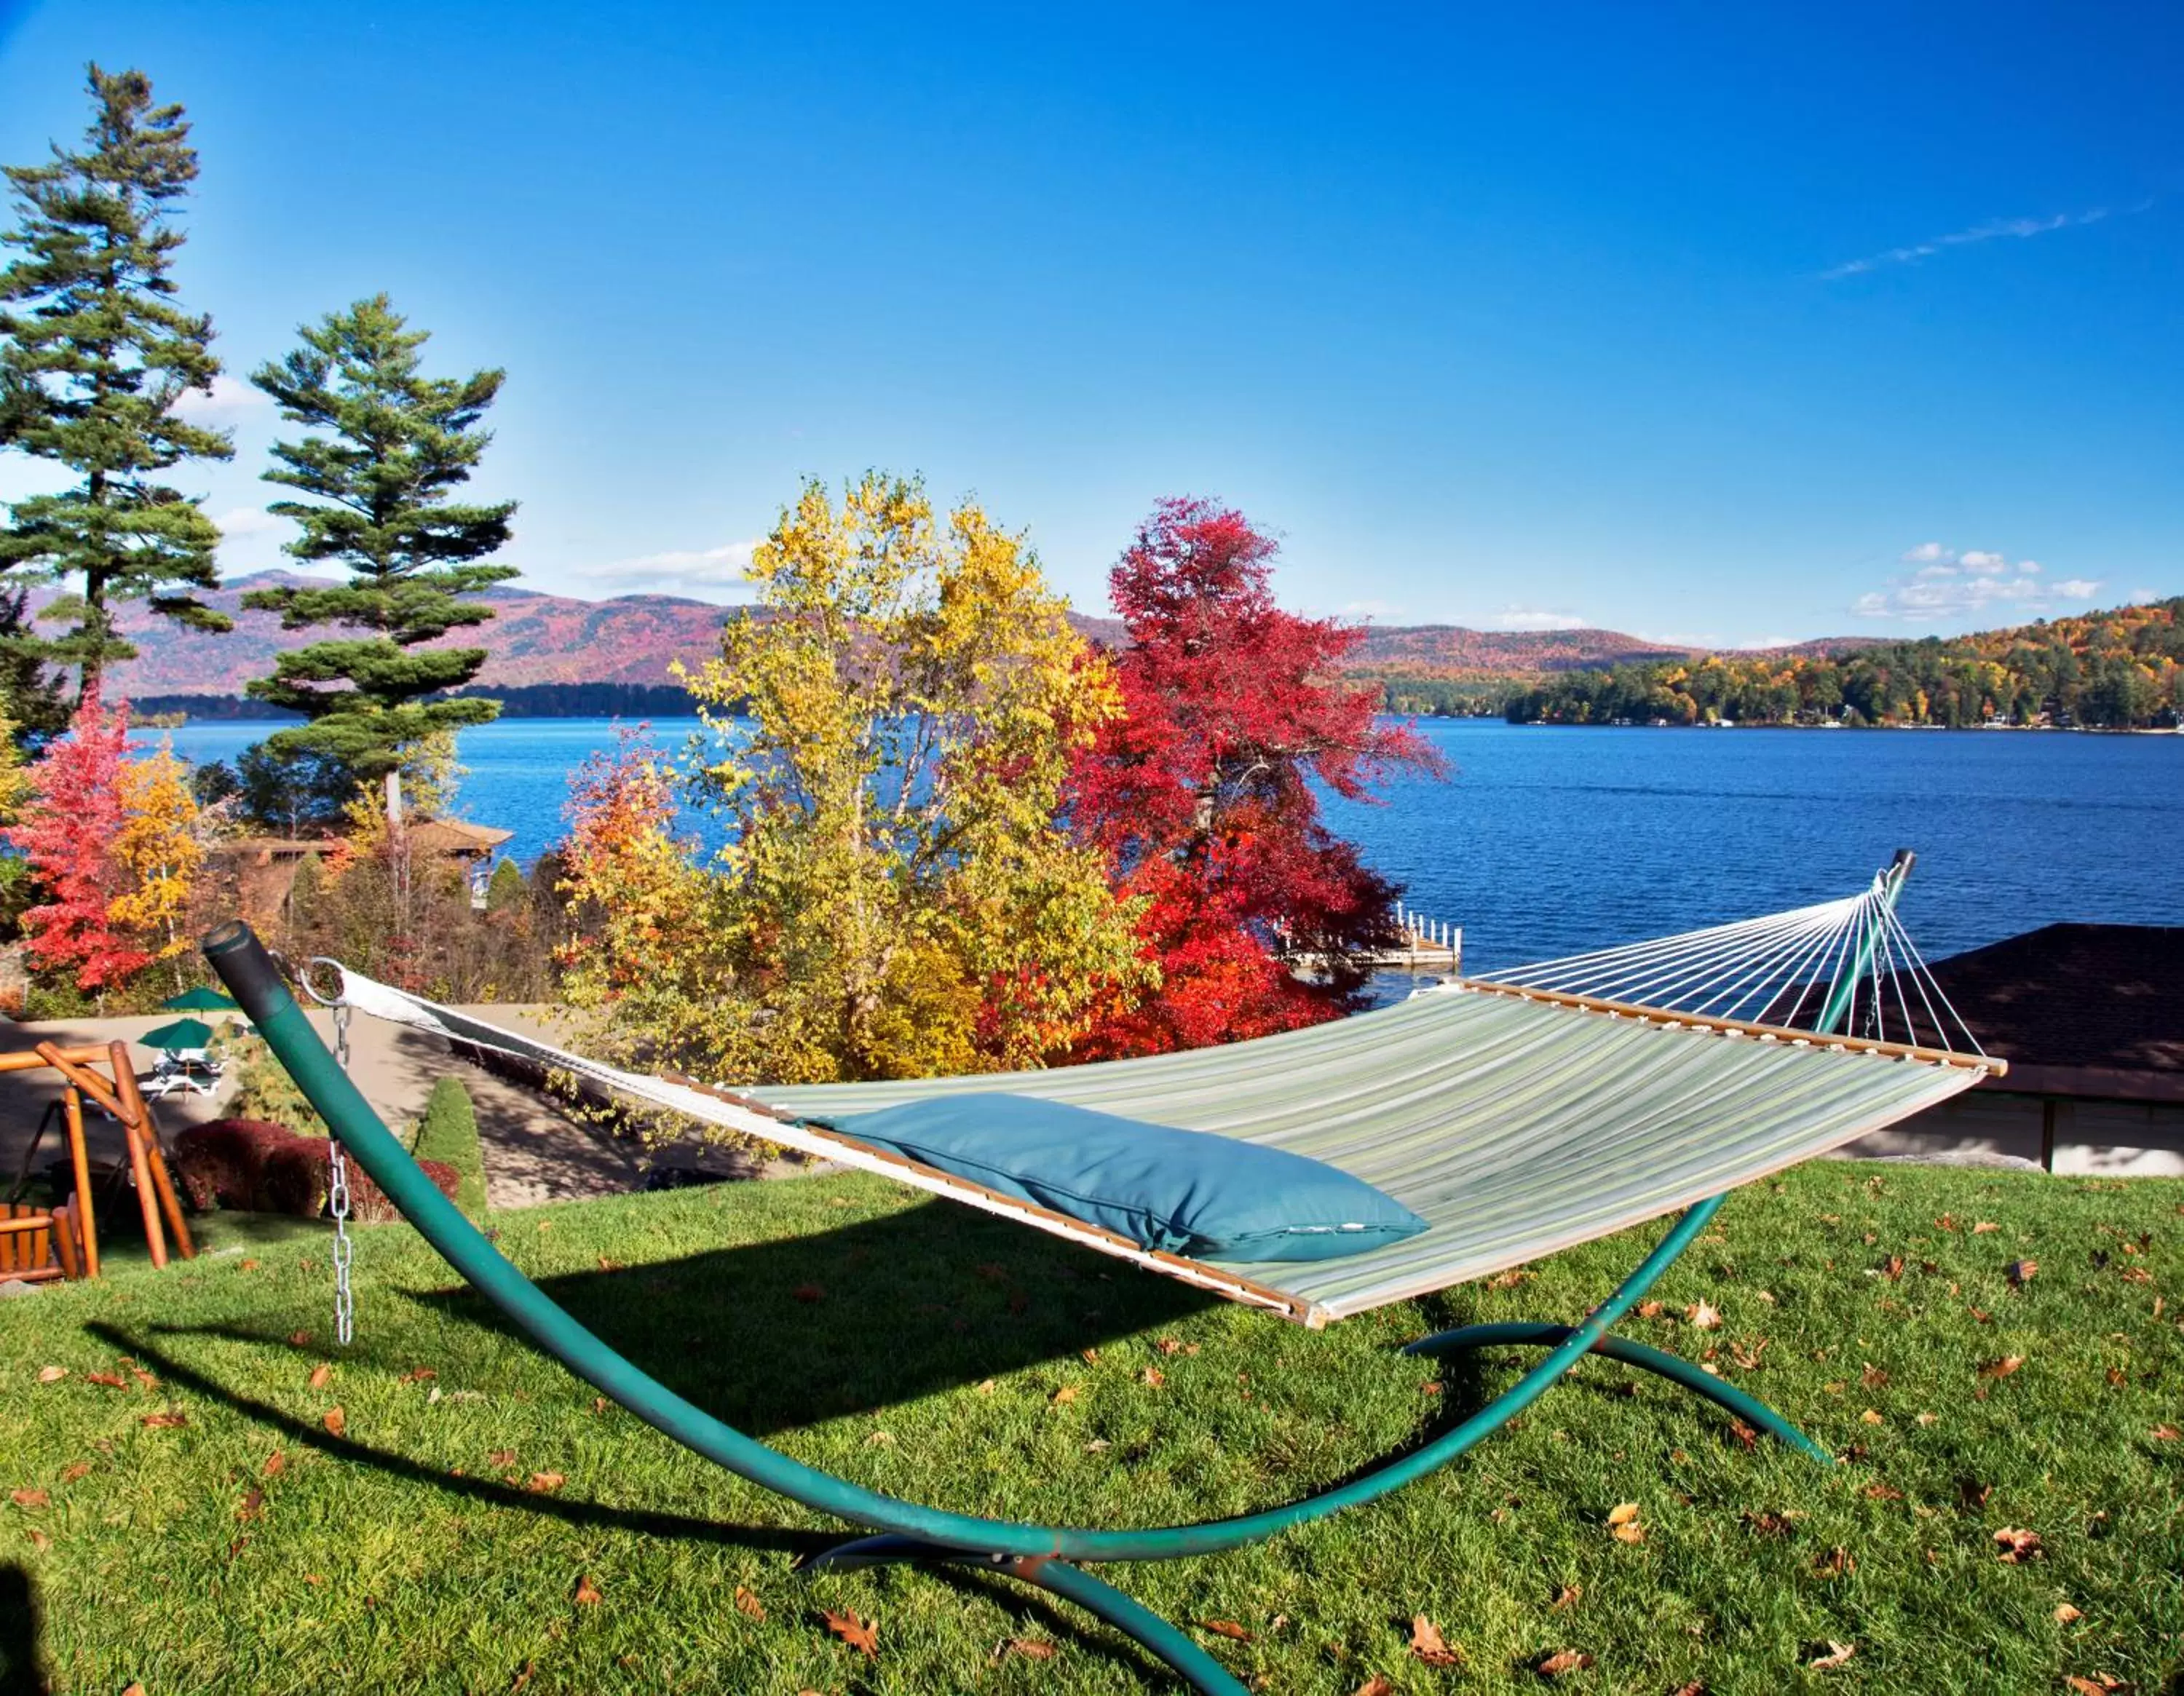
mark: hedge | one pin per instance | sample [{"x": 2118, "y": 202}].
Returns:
[{"x": 447, "y": 1135}]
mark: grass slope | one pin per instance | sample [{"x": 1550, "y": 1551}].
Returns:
[{"x": 448, "y": 1535}]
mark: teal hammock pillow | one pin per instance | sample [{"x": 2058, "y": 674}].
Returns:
[{"x": 1185, "y": 1192}]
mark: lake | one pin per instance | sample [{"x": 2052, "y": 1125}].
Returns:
[{"x": 1550, "y": 840}]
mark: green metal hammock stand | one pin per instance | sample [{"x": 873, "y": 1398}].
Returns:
[{"x": 1051, "y": 1557}]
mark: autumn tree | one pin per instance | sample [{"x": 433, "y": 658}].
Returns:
[
  {"x": 96, "y": 358},
  {"x": 894, "y": 897},
  {"x": 66, "y": 830},
  {"x": 389, "y": 450},
  {"x": 158, "y": 853},
  {"x": 1202, "y": 797}
]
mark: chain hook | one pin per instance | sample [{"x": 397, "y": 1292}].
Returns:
[{"x": 337, "y": 1195}]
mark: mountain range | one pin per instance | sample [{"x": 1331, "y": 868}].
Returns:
[{"x": 535, "y": 639}]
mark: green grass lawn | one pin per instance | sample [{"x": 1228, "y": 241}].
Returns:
[{"x": 480, "y": 1523}]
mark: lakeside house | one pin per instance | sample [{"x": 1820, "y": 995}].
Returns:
[
  {"x": 261, "y": 871},
  {"x": 2091, "y": 1019}
]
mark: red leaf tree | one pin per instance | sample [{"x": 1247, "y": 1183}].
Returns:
[
  {"x": 1203, "y": 794},
  {"x": 66, "y": 831}
]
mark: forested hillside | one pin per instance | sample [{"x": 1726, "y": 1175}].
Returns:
[{"x": 2119, "y": 670}]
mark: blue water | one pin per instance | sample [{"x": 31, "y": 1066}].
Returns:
[{"x": 1550, "y": 840}]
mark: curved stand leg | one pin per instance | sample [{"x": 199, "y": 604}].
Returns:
[
  {"x": 1143, "y": 1627},
  {"x": 1694, "y": 1378}
]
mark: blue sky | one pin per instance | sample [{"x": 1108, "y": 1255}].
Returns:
[{"x": 1714, "y": 324}]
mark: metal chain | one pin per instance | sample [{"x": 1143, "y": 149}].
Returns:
[{"x": 337, "y": 1196}]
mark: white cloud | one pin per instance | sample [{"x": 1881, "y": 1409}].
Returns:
[
  {"x": 1526, "y": 618},
  {"x": 246, "y": 521},
  {"x": 2139, "y": 597},
  {"x": 1994, "y": 228},
  {"x": 230, "y": 396},
  {"x": 700, "y": 573},
  {"x": 1967, "y": 585}
]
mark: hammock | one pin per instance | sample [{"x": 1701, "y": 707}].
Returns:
[{"x": 1518, "y": 1116}]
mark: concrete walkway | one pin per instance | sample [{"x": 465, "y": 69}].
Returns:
[{"x": 534, "y": 1150}]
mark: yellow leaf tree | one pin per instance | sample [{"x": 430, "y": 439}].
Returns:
[
  {"x": 890, "y": 727},
  {"x": 158, "y": 849}
]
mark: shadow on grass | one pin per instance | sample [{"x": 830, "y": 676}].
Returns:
[
  {"x": 778, "y": 1335},
  {"x": 21, "y": 1671}
]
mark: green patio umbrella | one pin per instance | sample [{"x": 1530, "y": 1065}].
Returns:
[
  {"x": 201, "y": 999},
  {"x": 183, "y": 1033}
]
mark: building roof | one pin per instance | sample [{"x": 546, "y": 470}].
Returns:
[
  {"x": 2079, "y": 1009},
  {"x": 455, "y": 836}
]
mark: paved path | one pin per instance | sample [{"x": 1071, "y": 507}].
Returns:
[{"x": 534, "y": 1151}]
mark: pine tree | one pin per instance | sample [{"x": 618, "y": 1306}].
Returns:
[
  {"x": 395, "y": 446},
  {"x": 95, "y": 355}
]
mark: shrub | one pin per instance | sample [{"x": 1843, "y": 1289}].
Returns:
[
  {"x": 222, "y": 1163},
  {"x": 263, "y": 1089},
  {"x": 448, "y": 1134},
  {"x": 296, "y": 1182}
]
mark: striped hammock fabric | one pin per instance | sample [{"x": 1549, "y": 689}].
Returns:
[{"x": 1517, "y": 1121}]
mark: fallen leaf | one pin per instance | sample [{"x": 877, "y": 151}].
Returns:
[
  {"x": 1030, "y": 1648},
  {"x": 2021, "y": 1273},
  {"x": 252, "y": 1505},
  {"x": 299, "y": 1339},
  {"x": 1984, "y": 1226},
  {"x": 1768, "y": 1523},
  {"x": 1630, "y": 1533},
  {"x": 1703, "y": 1316},
  {"x": 1428, "y": 1644},
  {"x": 1873, "y": 1378},
  {"x": 335, "y": 1421},
  {"x": 2165, "y": 1433},
  {"x": 1091, "y": 1356},
  {"x": 1892, "y": 1269},
  {"x": 522, "y": 1677},
  {"x": 246, "y": 1265},
  {"x": 1565, "y": 1660},
  {"x": 1154, "y": 1377},
  {"x": 1930, "y": 1419},
  {"x": 1377, "y": 1685},
  {"x": 112, "y": 1380},
  {"x": 2002, "y": 1368},
  {"x": 1567, "y": 1595},
  {"x": 2065, "y": 1614},
  {"x": 276, "y": 1464},
  {"x": 418, "y": 1375},
  {"x": 749, "y": 1605},
  {"x": 500, "y": 1457},
  {"x": 1067, "y": 1392},
  {"x": 1649, "y": 1309},
  {"x": 1509, "y": 1280},
  {"x": 1883, "y": 1493},
  {"x": 1835, "y": 1655},
  {"x": 854, "y": 1631},
  {"x": 1745, "y": 1434},
  {"x": 1623, "y": 1513},
  {"x": 69, "y": 1474},
  {"x": 2016, "y": 1546},
  {"x": 52, "y": 1375},
  {"x": 32, "y": 1498},
  {"x": 2135, "y": 1274},
  {"x": 545, "y": 1483},
  {"x": 588, "y": 1593},
  {"x": 320, "y": 1374},
  {"x": 1693, "y": 1688},
  {"x": 986, "y": 1388},
  {"x": 1971, "y": 1494},
  {"x": 40, "y": 1541},
  {"x": 1871, "y": 1416},
  {"x": 1226, "y": 1628},
  {"x": 164, "y": 1422},
  {"x": 1981, "y": 1315},
  {"x": 2100, "y": 1684},
  {"x": 132, "y": 1688},
  {"x": 2116, "y": 1378},
  {"x": 808, "y": 1292},
  {"x": 1838, "y": 1561}
]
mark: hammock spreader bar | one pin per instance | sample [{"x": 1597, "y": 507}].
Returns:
[{"x": 1035, "y": 1553}]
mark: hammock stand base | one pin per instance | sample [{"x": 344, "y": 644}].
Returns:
[{"x": 1043, "y": 1556}]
